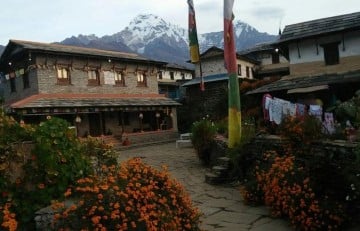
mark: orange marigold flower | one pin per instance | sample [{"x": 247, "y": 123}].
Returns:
[
  {"x": 95, "y": 220},
  {"x": 104, "y": 187},
  {"x": 68, "y": 192}
]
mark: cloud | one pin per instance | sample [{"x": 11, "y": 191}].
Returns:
[{"x": 269, "y": 12}]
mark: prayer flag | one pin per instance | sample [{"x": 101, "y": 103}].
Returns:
[
  {"x": 193, "y": 42},
  {"x": 193, "y": 39},
  {"x": 234, "y": 124}
]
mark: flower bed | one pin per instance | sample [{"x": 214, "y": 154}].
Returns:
[{"x": 135, "y": 197}]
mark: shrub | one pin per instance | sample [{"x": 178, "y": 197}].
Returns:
[
  {"x": 241, "y": 160},
  {"x": 99, "y": 152},
  {"x": 7, "y": 218},
  {"x": 301, "y": 130},
  {"x": 134, "y": 196},
  {"x": 284, "y": 183},
  {"x": 202, "y": 137}
]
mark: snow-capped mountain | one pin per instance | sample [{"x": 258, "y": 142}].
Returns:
[
  {"x": 151, "y": 36},
  {"x": 145, "y": 29}
]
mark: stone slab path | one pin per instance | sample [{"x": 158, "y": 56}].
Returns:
[{"x": 221, "y": 205}]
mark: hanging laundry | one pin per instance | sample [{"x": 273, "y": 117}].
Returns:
[
  {"x": 300, "y": 109},
  {"x": 265, "y": 105},
  {"x": 289, "y": 109},
  {"x": 329, "y": 123},
  {"x": 276, "y": 111},
  {"x": 316, "y": 110}
]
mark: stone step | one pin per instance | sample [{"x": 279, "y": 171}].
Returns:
[
  {"x": 213, "y": 178},
  {"x": 220, "y": 170},
  {"x": 223, "y": 161}
]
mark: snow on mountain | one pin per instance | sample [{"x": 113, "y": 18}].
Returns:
[
  {"x": 153, "y": 37},
  {"x": 144, "y": 29}
]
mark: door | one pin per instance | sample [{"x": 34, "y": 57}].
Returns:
[{"x": 95, "y": 124}]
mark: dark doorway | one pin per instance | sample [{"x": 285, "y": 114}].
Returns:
[{"x": 94, "y": 124}]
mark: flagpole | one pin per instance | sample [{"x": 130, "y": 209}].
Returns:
[{"x": 234, "y": 123}]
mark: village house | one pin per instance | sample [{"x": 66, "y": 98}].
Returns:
[
  {"x": 99, "y": 92},
  {"x": 215, "y": 78},
  {"x": 272, "y": 64},
  {"x": 170, "y": 79},
  {"x": 324, "y": 60}
]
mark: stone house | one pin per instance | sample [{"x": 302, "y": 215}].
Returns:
[
  {"x": 272, "y": 64},
  {"x": 324, "y": 60},
  {"x": 171, "y": 77},
  {"x": 99, "y": 92},
  {"x": 215, "y": 79}
]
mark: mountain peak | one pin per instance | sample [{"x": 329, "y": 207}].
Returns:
[
  {"x": 147, "y": 20},
  {"x": 147, "y": 28},
  {"x": 153, "y": 37}
]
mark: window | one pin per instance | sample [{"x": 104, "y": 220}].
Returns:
[
  {"x": 239, "y": 69},
  {"x": 63, "y": 75},
  {"x": 94, "y": 77},
  {"x": 119, "y": 78},
  {"x": 141, "y": 79},
  {"x": 12, "y": 83},
  {"x": 26, "y": 82},
  {"x": 160, "y": 75},
  {"x": 247, "y": 71},
  {"x": 331, "y": 53},
  {"x": 275, "y": 57},
  {"x": 171, "y": 75},
  {"x": 182, "y": 76}
]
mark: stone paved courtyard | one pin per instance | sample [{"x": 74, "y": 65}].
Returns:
[{"x": 221, "y": 205}]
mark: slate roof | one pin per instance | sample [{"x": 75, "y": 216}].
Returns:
[
  {"x": 207, "y": 79},
  {"x": 92, "y": 100},
  {"x": 74, "y": 50},
  {"x": 321, "y": 26},
  {"x": 214, "y": 52},
  {"x": 291, "y": 82}
]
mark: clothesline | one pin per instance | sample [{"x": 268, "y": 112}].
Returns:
[{"x": 275, "y": 109}]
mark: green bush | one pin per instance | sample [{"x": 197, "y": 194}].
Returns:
[
  {"x": 202, "y": 137},
  {"x": 241, "y": 161},
  {"x": 56, "y": 161}
]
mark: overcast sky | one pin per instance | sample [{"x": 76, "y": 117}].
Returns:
[{"x": 55, "y": 20}]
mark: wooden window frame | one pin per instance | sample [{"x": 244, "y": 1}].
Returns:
[
  {"x": 239, "y": 69},
  {"x": 275, "y": 58},
  {"x": 121, "y": 81},
  {"x": 61, "y": 78},
  {"x": 12, "y": 84},
  {"x": 26, "y": 81},
  {"x": 93, "y": 77},
  {"x": 331, "y": 53},
  {"x": 141, "y": 79}
]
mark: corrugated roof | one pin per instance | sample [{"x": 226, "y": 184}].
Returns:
[
  {"x": 321, "y": 26},
  {"x": 78, "y": 101},
  {"x": 291, "y": 82}
]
